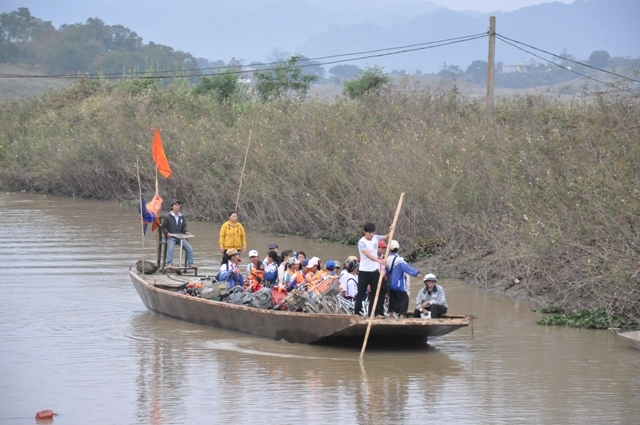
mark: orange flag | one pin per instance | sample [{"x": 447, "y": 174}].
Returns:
[{"x": 157, "y": 152}]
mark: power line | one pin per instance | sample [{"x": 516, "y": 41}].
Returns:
[
  {"x": 563, "y": 67},
  {"x": 563, "y": 58},
  {"x": 307, "y": 62}
]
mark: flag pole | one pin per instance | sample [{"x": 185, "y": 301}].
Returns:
[
  {"x": 242, "y": 174},
  {"x": 372, "y": 307},
  {"x": 141, "y": 218}
]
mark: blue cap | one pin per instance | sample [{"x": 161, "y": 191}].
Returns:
[
  {"x": 330, "y": 264},
  {"x": 305, "y": 262}
]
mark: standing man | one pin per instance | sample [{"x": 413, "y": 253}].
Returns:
[
  {"x": 176, "y": 223},
  {"x": 369, "y": 270},
  {"x": 431, "y": 299}
]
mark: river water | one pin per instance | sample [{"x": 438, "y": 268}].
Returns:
[{"x": 75, "y": 338}]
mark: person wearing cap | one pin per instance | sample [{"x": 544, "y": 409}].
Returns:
[
  {"x": 345, "y": 272},
  {"x": 293, "y": 277},
  {"x": 431, "y": 299},
  {"x": 253, "y": 262},
  {"x": 330, "y": 268},
  {"x": 398, "y": 272},
  {"x": 349, "y": 279},
  {"x": 232, "y": 234},
  {"x": 176, "y": 223},
  {"x": 313, "y": 275},
  {"x": 382, "y": 246},
  {"x": 369, "y": 269},
  {"x": 230, "y": 269}
]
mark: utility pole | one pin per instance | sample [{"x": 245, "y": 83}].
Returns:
[{"x": 490, "y": 67}]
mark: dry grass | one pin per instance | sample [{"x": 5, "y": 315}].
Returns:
[{"x": 546, "y": 198}]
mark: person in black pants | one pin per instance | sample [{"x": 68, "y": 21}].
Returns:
[
  {"x": 369, "y": 270},
  {"x": 175, "y": 222}
]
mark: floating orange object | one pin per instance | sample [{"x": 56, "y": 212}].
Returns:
[{"x": 45, "y": 414}]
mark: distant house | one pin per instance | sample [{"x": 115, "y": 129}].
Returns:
[
  {"x": 245, "y": 75},
  {"x": 517, "y": 68}
]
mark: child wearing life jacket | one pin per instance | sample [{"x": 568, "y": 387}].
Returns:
[
  {"x": 293, "y": 277},
  {"x": 254, "y": 280}
]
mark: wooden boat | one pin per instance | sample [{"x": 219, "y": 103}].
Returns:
[
  {"x": 632, "y": 338},
  {"x": 159, "y": 294}
]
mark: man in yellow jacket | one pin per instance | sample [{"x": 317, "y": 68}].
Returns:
[{"x": 232, "y": 234}]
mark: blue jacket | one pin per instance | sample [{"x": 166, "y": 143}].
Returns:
[
  {"x": 271, "y": 274},
  {"x": 395, "y": 276}
]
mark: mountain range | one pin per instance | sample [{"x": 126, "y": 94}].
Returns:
[{"x": 259, "y": 31}]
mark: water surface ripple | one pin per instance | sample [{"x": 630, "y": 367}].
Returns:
[{"x": 75, "y": 338}]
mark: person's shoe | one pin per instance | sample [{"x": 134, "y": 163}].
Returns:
[
  {"x": 193, "y": 266},
  {"x": 169, "y": 266}
]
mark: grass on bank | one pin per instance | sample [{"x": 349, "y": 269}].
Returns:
[{"x": 545, "y": 198}]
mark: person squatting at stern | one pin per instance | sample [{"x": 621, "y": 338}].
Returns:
[
  {"x": 175, "y": 223},
  {"x": 431, "y": 299},
  {"x": 369, "y": 269},
  {"x": 398, "y": 272}
]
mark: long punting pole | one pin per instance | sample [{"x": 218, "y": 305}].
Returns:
[
  {"x": 242, "y": 174},
  {"x": 372, "y": 307},
  {"x": 141, "y": 218}
]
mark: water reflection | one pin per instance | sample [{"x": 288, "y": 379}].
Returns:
[
  {"x": 307, "y": 382},
  {"x": 75, "y": 338}
]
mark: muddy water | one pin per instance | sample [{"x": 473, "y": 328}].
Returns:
[{"x": 75, "y": 338}]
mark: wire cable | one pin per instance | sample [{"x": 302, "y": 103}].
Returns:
[
  {"x": 566, "y": 68},
  {"x": 307, "y": 62},
  {"x": 567, "y": 59}
]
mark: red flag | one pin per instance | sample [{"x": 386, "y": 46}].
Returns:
[{"x": 157, "y": 152}]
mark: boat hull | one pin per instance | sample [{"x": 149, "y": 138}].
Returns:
[
  {"x": 631, "y": 338},
  {"x": 289, "y": 326}
]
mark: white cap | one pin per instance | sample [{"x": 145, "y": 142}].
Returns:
[
  {"x": 253, "y": 253},
  {"x": 313, "y": 262},
  {"x": 429, "y": 276},
  {"x": 394, "y": 245}
]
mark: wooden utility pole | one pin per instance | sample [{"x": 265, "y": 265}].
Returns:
[{"x": 490, "y": 67}]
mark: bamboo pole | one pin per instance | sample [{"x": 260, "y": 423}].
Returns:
[
  {"x": 242, "y": 174},
  {"x": 158, "y": 238},
  {"x": 372, "y": 307},
  {"x": 141, "y": 218}
]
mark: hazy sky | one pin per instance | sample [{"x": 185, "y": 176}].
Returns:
[{"x": 493, "y": 5}]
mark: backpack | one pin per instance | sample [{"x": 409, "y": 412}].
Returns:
[{"x": 398, "y": 284}]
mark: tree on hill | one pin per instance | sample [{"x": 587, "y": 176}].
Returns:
[
  {"x": 85, "y": 48},
  {"x": 344, "y": 72},
  {"x": 21, "y": 32},
  {"x": 286, "y": 81},
  {"x": 599, "y": 58},
  {"x": 368, "y": 81},
  {"x": 477, "y": 71}
]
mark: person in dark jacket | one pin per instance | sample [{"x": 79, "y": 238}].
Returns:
[{"x": 176, "y": 223}]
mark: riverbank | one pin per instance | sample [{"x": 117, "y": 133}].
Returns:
[{"x": 543, "y": 201}]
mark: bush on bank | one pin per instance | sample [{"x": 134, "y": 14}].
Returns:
[{"x": 544, "y": 200}]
